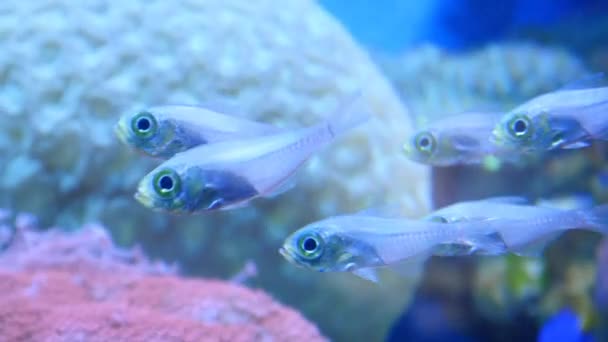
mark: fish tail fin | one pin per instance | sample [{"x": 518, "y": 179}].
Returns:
[
  {"x": 351, "y": 113},
  {"x": 596, "y": 218}
]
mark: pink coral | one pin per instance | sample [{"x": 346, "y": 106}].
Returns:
[{"x": 66, "y": 287}]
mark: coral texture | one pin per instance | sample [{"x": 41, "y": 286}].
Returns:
[
  {"x": 64, "y": 287},
  {"x": 436, "y": 82},
  {"x": 70, "y": 69}
]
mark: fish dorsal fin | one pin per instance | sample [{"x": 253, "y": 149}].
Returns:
[
  {"x": 596, "y": 80},
  {"x": 454, "y": 219},
  {"x": 367, "y": 274},
  {"x": 518, "y": 200}
]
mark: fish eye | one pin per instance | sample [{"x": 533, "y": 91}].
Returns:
[
  {"x": 425, "y": 142},
  {"x": 519, "y": 126},
  {"x": 143, "y": 124},
  {"x": 310, "y": 246},
  {"x": 167, "y": 183}
]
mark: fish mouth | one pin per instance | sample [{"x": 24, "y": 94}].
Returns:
[
  {"x": 121, "y": 132},
  {"x": 144, "y": 199},
  {"x": 288, "y": 254},
  {"x": 406, "y": 148}
]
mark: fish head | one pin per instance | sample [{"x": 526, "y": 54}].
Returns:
[
  {"x": 162, "y": 189},
  {"x": 145, "y": 131},
  {"x": 524, "y": 131},
  {"x": 443, "y": 148},
  {"x": 422, "y": 147},
  {"x": 321, "y": 247},
  {"x": 186, "y": 188}
]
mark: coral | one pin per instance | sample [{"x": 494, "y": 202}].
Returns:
[
  {"x": 70, "y": 69},
  {"x": 435, "y": 82},
  {"x": 58, "y": 286}
]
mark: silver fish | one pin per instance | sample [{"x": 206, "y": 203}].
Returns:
[
  {"x": 360, "y": 243},
  {"x": 524, "y": 229},
  {"x": 163, "y": 131},
  {"x": 566, "y": 118},
  {"x": 229, "y": 174},
  {"x": 457, "y": 139}
]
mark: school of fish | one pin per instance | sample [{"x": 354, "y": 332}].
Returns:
[{"x": 213, "y": 159}]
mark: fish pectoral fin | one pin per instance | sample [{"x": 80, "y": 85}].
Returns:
[
  {"x": 238, "y": 205},
  {"x": 576, "y": 145},
  {"x": 367, "y": 274}
]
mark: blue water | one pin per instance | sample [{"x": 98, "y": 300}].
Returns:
[{"x": 393, "y": 25}]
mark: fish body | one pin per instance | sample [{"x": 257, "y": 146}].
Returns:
[
  {"x": 563, "y": 119},
  {"x": 458, "y": 139},
  {"x": 164, "y": 131},
  {"x": 523, "y": 228},
  {"x": 229, "y": 174},
  {"x": 361, "y": 243}
]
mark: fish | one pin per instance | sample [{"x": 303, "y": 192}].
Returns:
[
  {"x": 164, "y": 131},
  {"x": 459, "y": 139},
  {"x": 523, "y": 228},
  {"x": 361, "y": 243},
  {"x": 228, "y": 175},
  {"x": 567, "y": 118}
]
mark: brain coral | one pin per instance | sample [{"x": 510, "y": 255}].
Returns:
[
  {"x": 69, "y": 69},
  {"x": 64, "y": 287}
]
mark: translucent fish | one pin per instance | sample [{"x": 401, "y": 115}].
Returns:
[
  {"x": 360, "y": 244},
  {"x": 164, "y": 131},
  {"x": 524, "y": 229},
  {"x": 566, "y": 118},
  {"x": 458, "y": 139},
  {"x": 229, "y": 174}
]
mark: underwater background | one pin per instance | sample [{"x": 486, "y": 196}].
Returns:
[{"x": 70, "y": 69}]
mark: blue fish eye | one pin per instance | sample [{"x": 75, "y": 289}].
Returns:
[
  {"x": 519, "y": 126},
  {"x": 310, "y": 244},
  {"x": 166, "y": 182},
  {"x": 425, "y": 142},
  {"x": 143, "y": 124}
]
